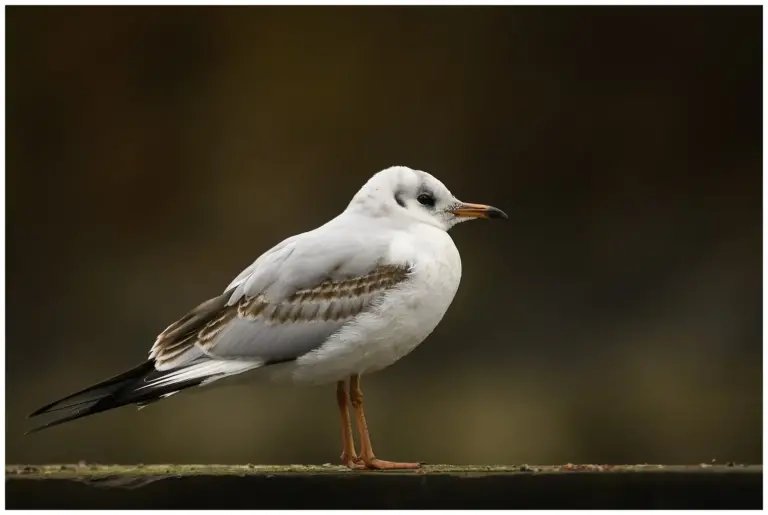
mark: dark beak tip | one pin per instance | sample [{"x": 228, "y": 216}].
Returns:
[{"x": 497, "y": 213}]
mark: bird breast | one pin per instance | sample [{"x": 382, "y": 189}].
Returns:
[{"x": 400, "y": 321}]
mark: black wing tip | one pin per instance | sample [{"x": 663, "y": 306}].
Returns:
[
  {"x": 42, "y": 410},
  {"x": 49, "y": 424},
  {"x": 120, "y": 392},
  {"x": 111, "y": 386},
  {"x": 56, "y": 422},
  {"x": 116, "y": 381}
]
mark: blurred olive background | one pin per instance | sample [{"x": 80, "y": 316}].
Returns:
[{"x": 152, "y": 153}]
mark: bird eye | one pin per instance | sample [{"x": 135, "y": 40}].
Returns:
[{"x": 425, "y": 199}]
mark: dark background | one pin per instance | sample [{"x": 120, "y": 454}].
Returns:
[{"x": 152, "y": 153}]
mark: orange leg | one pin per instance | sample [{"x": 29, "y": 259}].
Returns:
[
  {"x": 366, "y": 450},
  {"x": 348, "y": 454}
]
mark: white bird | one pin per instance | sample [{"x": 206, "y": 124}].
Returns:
[{"x": 329, "y": 305}]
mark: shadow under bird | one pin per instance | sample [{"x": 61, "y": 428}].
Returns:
[{"x": 326, "y": 306}]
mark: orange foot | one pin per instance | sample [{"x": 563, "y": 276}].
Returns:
[
  {"x": 377, "y": 464},
  {"x": 352, "y": 462}
]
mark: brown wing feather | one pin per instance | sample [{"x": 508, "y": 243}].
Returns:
[{"x": 337, "y": 300}]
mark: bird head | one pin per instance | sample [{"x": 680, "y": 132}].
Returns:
[{"x": 405, "y": 195}]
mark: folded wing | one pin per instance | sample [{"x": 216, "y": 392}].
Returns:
[
  {"x": 284, "y": 305},
  {"x": 256, "y": 328}
]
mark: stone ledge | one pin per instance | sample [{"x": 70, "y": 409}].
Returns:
[{"x": 435, "y": 486}]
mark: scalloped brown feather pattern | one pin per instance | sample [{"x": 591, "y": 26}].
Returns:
[{"x": 331, "y": 300}]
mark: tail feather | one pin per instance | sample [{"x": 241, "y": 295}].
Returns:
[{"x": 141, "y": 385}]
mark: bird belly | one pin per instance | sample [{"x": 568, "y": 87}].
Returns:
[{"x": 390, "y": 330}]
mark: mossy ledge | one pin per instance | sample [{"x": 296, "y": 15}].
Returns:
[
  {"x": 85, "y": 486},
  {"x": 86, "y": 471}
]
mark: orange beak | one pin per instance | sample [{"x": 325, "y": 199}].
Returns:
[{"x": 478, "y": 211}]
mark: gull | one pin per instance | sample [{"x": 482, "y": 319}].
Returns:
[{"x": 348, "y": 298}]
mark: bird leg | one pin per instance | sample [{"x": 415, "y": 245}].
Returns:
[
  {"x": 366, "y": 450},
  {"x": 348, "y": 454}
]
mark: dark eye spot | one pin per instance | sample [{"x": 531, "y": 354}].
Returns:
[{"x": 425, "y": 199}]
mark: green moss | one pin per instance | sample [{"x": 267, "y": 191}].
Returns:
[{"x": 85, "y": 471}]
